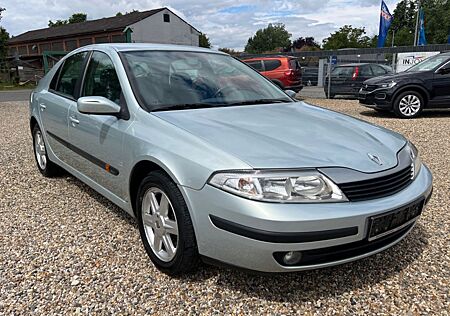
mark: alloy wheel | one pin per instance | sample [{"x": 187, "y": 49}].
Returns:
[
  {"x": 39, "y": 149},
  {"x": 410, "y": 105},
  {"x": 160, "y": 224}
]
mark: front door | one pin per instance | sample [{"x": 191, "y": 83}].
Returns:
[
  {"x": 98, "y": 139},
  {"x": 441, "y": 86}
]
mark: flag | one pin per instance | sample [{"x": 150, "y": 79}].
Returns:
[
  {"x": 422, "y": 40},
  {"x": 385, "y": 23}
]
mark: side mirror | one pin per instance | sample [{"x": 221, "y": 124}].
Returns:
[
  {"x": 444, "y": 71},
  {"x": 97, "y": 106},
  {"x": 291, "y": 93}
]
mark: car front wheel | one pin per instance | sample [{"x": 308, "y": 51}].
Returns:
[
  {"x": 409, "y": 104},
  {"x": 165, "y": 225}
]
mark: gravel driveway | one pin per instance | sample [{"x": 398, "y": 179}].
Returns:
[{"x": 64, "y": 249}]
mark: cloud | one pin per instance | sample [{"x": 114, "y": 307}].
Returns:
[{"x": 227, "y": 23}]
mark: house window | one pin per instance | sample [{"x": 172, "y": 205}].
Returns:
[
  {"x": 44, "y": 47},
  {"x": 101, "y": 39},
  {"x": 118, "y": 38},
  {"x": 71, "y": 45},
  {"x": 57, "y": 46},
  {"x": 166, "y": 18},
  {"x": 23, "y": 50},
  {"x": 85, "y": 41}
]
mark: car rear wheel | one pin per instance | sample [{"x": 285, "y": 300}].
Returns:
[
  {"x": 165, "y": 225},
  {"x": 409, "y": 104},
  {"x": 45, "y": 166}
]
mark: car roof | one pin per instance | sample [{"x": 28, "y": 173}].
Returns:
[
  {"x": 269, "y": 58},
  {"x": 353, "y": 65},
  {"x": 123, "y": 47}
]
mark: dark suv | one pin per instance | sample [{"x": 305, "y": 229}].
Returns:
[
  {"x": 284, "y": 71},
  {"x": 425, "y": 85},
  {"x": 347, "y": 79}
]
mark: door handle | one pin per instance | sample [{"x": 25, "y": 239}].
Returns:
[
  {"x": 74, "y": 120},
  {"x": 42, "y": 106}
]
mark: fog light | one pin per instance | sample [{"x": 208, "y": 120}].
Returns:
[{"x": 292, "y": 257}]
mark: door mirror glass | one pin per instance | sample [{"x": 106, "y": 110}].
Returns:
[{"x": 97, "y": 105}]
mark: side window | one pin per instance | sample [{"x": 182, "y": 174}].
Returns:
[
  {"x": 54, "y": 81},
  {"x": 256, "y": 64},
  {"x": 377, "y": 70},
  {"x": 101, "y": 78},
  {"x": 70, "y": 74},
  {"x": 271, "y": 64}
]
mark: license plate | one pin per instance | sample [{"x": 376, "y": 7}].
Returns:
[{"x": 384, "y": 224}]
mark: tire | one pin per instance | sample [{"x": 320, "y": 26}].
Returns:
[
  {"x": 45, "y": 166},
  {"x": 173, "y": 254},
  {"x": 409, "y": 104}
]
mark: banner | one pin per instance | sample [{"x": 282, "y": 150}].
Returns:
[
  {"x": 385, "y": 23},
  {"x": 407, "y": 60},
  {"x": 421, "y": 40}
]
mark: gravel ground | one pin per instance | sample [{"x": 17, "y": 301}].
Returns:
[{"x": 64, "y": 249}]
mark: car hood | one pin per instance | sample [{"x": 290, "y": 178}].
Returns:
[
  {"x": 392, "y": 77},
  {"x": 291, "y": 135}
]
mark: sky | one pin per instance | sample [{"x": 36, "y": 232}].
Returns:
[{"x": 228, "y": 23}]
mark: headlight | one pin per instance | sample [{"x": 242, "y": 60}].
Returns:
[
  {"x": 416, "y": 162},
  {"x": 388, "y": 85},
  {"x": 279, "y": 186}
]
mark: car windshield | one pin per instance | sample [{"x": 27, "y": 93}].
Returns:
[
  {"x": 429, "y": 63},
  {"x": 167, "y": 80}
]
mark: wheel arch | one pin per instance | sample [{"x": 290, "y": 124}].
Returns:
[
  {"x": 139, "y": 171},
  {"x": 416, "y": 88},
  {"x": 33, "y": 123}
]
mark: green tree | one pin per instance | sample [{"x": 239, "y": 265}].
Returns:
[
  {"x": 302, "y": 43},
  {"x": 229, "y": 51},
  {"x": 4, "y": 37},
  {"x": 75, "y": 18},
  {"x": 204, "y": 41},
  {"x": 437, "y": 21},
  {"x": 271, "y": 38},
  {"x": 121, "y": 14},
  {"x": 348, "y": 37},
  {"x": 403, "y": 25}
]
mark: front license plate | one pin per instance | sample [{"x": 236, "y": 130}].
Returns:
[{"x": 384, "y": 224}]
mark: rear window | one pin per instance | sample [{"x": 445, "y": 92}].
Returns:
[
  {"x": 294, "y": 64},
  {"x": 343, "y": 71},
  {"x": 271, "y": 64},
  {"x": 256, "y": 64}
]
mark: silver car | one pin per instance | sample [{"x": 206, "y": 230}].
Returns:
[{"x": 217, "y": 163}]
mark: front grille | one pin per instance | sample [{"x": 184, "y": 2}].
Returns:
[
  {"x": 369, "y": 87},
  {"x": 378, "y": 187}
]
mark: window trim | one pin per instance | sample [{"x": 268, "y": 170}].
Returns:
[
  {"x": 268, "y": 60},
  {"x": 164, "y": 17},
  {"x": 124, "y": 111},
  {"x": 76, "y": 91}
]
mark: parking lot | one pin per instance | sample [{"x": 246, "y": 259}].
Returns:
[{"x": 64, "y": 249}]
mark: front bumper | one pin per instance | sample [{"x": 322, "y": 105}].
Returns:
[
  {"x": 349, "y": 219},
  {"x": 378, "y": 98}
]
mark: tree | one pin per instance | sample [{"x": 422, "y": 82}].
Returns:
[
  {"x": 303, "y": 42},
  {"x": 4, "y": 37},
  {"x": 271, "y": 38},
  {"x": 1, "y": 10},
  {"x": 75, "y": 18},
  {"x": 229, "y": 51},
  {"x": 347, "y": 37},
  {"x": 204, "y": 41},
  {"x": 121, "y": 14}
]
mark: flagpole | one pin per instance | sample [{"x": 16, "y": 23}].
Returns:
[{"x": 417, "y": 24}]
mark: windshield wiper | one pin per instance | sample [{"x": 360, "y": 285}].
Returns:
[
  {"x": 260, "y": 101},
  {"x": 187, "y": 106}
]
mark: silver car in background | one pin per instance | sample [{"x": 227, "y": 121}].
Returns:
[{"x": 217, "y": 163}]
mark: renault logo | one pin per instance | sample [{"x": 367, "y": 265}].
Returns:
[{"x": 375, "y": 159}]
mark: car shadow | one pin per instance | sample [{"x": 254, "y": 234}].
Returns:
[
  {"x": 304, "y": 286},
  {"x": 434, "y": 113}
]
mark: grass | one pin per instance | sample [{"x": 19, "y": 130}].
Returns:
[{"x": 5, "y": 86}]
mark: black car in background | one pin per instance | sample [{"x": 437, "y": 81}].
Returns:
[
  {"x": 347, "y": 79},
  {"x": 310, "y": 76},
  {"x": 425, "y": 85}
]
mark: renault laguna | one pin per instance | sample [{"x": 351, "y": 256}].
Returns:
[{"x": 218, "y": 164}]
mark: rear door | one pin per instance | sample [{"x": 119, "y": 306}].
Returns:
[
  {"x": 56, "y": 102},
  {"x": 255, "y": 64}
]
